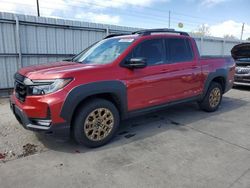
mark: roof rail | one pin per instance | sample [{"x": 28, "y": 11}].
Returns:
[
  {"x": 115, "y": 35},
  {"x": 150, "y": 31}
]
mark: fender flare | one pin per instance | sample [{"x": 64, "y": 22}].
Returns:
[
  {"x": 218, "y": 73},
  {"x": 79, "y": 93}
]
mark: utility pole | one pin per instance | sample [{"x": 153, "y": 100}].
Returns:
[
  {"x": 37, "y": 8},
  {"x": 169, "y": 17},
  {"x": 242, "y": 30}
]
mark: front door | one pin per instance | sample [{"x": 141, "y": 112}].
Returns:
[{"x": 147, "y": 86}]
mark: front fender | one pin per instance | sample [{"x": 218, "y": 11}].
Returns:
[{"x": 79, "y": 93}]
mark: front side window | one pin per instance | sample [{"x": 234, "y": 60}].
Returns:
[
  {"x": 151, "y": 50},
  {"x": 179, "y": 50},
  {"x": 104, "y": 52}
]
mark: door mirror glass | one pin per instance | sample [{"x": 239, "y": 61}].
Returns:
[{"x": 134, "y": 63}]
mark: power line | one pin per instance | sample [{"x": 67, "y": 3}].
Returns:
[
  {"x": 134, "y": 12},
  {"x": 195, "y": 17},
  {"x": 148, "y": 17},
  {"x": 157, "y": 10},
  {"x": 156, "y": 19},
  {"x": 49, "y": 8}
]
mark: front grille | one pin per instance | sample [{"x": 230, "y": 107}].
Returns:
[
  {"x": 242, "y": 70},
  {"x": 20, "y": 87},
  {"x": 245, "y": 79}
]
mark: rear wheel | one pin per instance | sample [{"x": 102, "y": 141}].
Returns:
[
  {"x": 96, "y": 123},
  {"x": 212, "y": 99}
]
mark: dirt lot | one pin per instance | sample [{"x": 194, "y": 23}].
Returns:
[{"x": 178, "y": 147}]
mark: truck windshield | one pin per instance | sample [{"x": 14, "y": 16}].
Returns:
[{"x": 104, "y": 52}]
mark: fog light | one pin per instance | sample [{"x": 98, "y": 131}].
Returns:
[{"x": 42, "y": 122}]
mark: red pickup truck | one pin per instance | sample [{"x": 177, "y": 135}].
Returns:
[{"x": 116, "y": 78}]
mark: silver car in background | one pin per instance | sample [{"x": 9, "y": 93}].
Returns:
[{"x": 241, "y": 54}]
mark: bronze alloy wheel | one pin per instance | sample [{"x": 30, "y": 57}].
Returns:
[
  {"x": 214, "y": 97},
  {"x": 98, "y": 124}
]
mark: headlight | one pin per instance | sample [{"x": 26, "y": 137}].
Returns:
[{"x": 42, "y": 87}]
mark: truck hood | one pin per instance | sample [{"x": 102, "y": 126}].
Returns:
[
  {"x": 241, "y": 51},
  {"x": 53, "y": 70}
]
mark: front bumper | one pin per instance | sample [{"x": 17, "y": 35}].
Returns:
[
  {"x": 30, "y": 123},
  {"x": 229, "y": 85},
  {"x": 242, "y": 79},
  {"x": 24, "y": 120}
]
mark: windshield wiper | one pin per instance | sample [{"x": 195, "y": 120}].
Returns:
[
  {"x": 76, "y": 61},
  {"x": 68, "y": 59},
  {"x": 72, "y": 60}
]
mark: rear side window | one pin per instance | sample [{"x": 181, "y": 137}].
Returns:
[
  {"x": 152, "y": 50},
  {"x": 178, "y": 50}
]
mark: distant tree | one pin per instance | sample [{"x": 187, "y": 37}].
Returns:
[
  {"x": 248, "y": 38},
  {"x": 230, "y": 37},
  {"x": 203, "y": 30}
]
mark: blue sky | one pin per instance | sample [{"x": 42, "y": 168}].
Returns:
[{"x": 221, "y": 16}]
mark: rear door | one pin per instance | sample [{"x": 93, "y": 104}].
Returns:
[{"x": 184, "y": 70}]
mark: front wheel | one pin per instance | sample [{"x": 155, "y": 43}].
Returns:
[
  {"x": 96, "y": 123},
  {"x": 212, "y": 99}
]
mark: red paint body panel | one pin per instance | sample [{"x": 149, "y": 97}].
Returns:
[{"x": 150, "y": 86}]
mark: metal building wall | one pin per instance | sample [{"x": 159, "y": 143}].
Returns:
[
  {"x": 215, "y": 45},
  {"x": 31, "y": 40}
]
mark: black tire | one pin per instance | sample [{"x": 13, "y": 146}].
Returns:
[
  {"x": 79, "y": 133},
  {"x": 205, "y": 104}
]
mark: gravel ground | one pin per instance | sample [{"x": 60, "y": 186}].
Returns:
[{"x": 15, "y": 141}]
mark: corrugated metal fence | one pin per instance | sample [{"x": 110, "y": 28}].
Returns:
[{"x": 30, "y": 40}]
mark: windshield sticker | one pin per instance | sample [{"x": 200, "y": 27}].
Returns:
[{"x": 126, "y": 40}]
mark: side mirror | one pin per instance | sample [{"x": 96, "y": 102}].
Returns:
[{"x": 134, "y": 63}]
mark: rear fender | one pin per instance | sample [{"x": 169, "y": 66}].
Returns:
[{"x": 218, "y": 73}]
